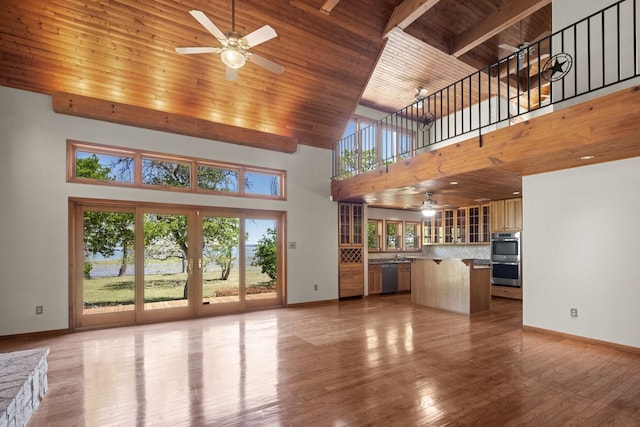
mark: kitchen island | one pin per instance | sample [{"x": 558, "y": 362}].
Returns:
[{"x": 453, "y": 284}]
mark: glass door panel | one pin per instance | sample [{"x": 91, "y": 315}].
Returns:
[
  {"x": 261, "y": 259},
  {"x": 221, "y": 281},
  {"x": 135, "y": 264},
  {"x": 166, "y": 261},
  {"x": 108, "y": 279}
]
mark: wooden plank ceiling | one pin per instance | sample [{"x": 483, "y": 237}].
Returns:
[
  {"x": 115, "y": 60},
  {"x": 99, "y": 56},
  {"x": 122, "y": 52},
  {"x": 432, "y": 44}
]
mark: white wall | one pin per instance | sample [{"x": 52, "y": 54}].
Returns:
[
  {"x": 580, "y": 248},
  {"x": 34, "y": 210},
  {"x": 569, "y": 12}
]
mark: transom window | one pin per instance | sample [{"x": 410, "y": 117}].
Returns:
[{"x": 100, "y": 164}]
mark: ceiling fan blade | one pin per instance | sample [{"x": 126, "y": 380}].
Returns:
[
  {"x": 207, "y": 24},
  {"x": 265, "y": 63},
  {"x": 260, "y": 35},
  {"x": 231, "y": 74},
  {"x": 541, "y": 36},
  {"x": 192, "y": 50},
  {"x": 508, "y": 47}
]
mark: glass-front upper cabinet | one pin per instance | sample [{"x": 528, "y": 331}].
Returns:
[
  {"x": 460, "y": 234},
  {"x": 455, "y": 225},
  {"x": 479, "y": 231},
  {"x": 449, "y": 221},
  {"x": 351, "y": 227},
  {"x": 485, "y": 226},
  {"x": 458, "y": 226},
  {"x": 433, "y": 229}
]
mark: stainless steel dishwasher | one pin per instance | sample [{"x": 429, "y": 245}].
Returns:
[{"x": 389, "y": 278}]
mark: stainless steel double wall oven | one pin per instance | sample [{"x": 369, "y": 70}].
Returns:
[{"x": 505, "y": 259}]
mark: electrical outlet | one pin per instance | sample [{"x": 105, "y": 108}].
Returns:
[
  {"x": 574, "y": 312},
  {"x": 39, "y": 309},
  {"x": 315, "y": 287}
]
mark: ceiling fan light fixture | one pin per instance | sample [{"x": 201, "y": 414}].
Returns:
[
  {"x": 428, "y": 212},
  {"x": 233, "y": 58},
  {"x": 429, "y": 206}
]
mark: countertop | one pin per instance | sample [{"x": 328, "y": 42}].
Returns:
[
  {"x": 475, "y": 262},
  {"x": 390, "y": 261}
]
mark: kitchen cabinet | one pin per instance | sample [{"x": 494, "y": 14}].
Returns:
[
  {"x": 455, "y": 225},
  {"x": 351, "y": 250},
  {"x": 469, "y": 224},
  {"x": 404, "y": 276},
  {"x": 479, "y": 224},
  {"x": 451, "y": 284},
  {"x": 351, "y": 224},
  {"x": 399, "y": 280},
  {"x": 506, "y": 215},
  {"x": 433, "y": 229},
  {"x": 375, "y": 278},
  {"x": 506, "y": 292},
  {"x": 351, "y": 281}
]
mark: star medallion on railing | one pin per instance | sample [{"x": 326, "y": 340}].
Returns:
[{"x": 557, "y": 67}]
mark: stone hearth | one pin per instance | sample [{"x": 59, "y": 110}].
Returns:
[{"x": 23, "y": 383}]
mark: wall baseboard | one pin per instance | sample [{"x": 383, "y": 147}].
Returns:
[
  {"x": 36, "y": 335},
  {"x": 611, "y": 345}
]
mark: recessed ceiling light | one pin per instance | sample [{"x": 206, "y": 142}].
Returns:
[
  {"x": 454, "y": 183},
  {"x": 587, "y": 157},
  {"x": 482, "y": 199},
  {"x": 516, "y": 193}
]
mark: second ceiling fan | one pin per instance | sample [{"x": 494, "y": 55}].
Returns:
[{"x": 234, "y": 48}]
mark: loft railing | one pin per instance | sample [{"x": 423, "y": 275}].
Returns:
[{"x": 598, "y": 51}]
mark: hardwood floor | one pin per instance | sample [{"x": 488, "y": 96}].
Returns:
[{"x": 379, "y": 361}]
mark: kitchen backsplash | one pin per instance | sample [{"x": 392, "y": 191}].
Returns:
[
  {"x": 441, "y": 251},
  {"x": 457, "y": 251}
]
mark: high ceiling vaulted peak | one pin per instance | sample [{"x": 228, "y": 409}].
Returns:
[
  {"x": 509, "y": 14},
  {"x": 407, "y": 12},
  {"x": 333, "y": 51}
]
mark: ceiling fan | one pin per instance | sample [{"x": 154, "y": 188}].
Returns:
[
  {"x": 421, "y": 93},
  {"x": 234, "y": 48},
  {"x": 513, "y": 49},
  {"x": 429, "y": 206},
  {"x": 525, "y": 60}
]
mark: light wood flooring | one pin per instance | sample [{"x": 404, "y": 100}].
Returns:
[{"x": 380, "y": 361}]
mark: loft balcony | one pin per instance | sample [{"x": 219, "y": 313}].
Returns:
[{"x": 541, "y": 108}]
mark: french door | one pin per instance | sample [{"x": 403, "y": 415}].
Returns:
[{"x": 136, "y": 264}]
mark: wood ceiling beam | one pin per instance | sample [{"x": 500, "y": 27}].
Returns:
[
  {"x": 407, "y": 12},
  {"x": 93, "y": 108},
  {"x": 510, "y": 13}
]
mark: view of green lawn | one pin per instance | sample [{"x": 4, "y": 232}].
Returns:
[{"x": 107, "y": 291}]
